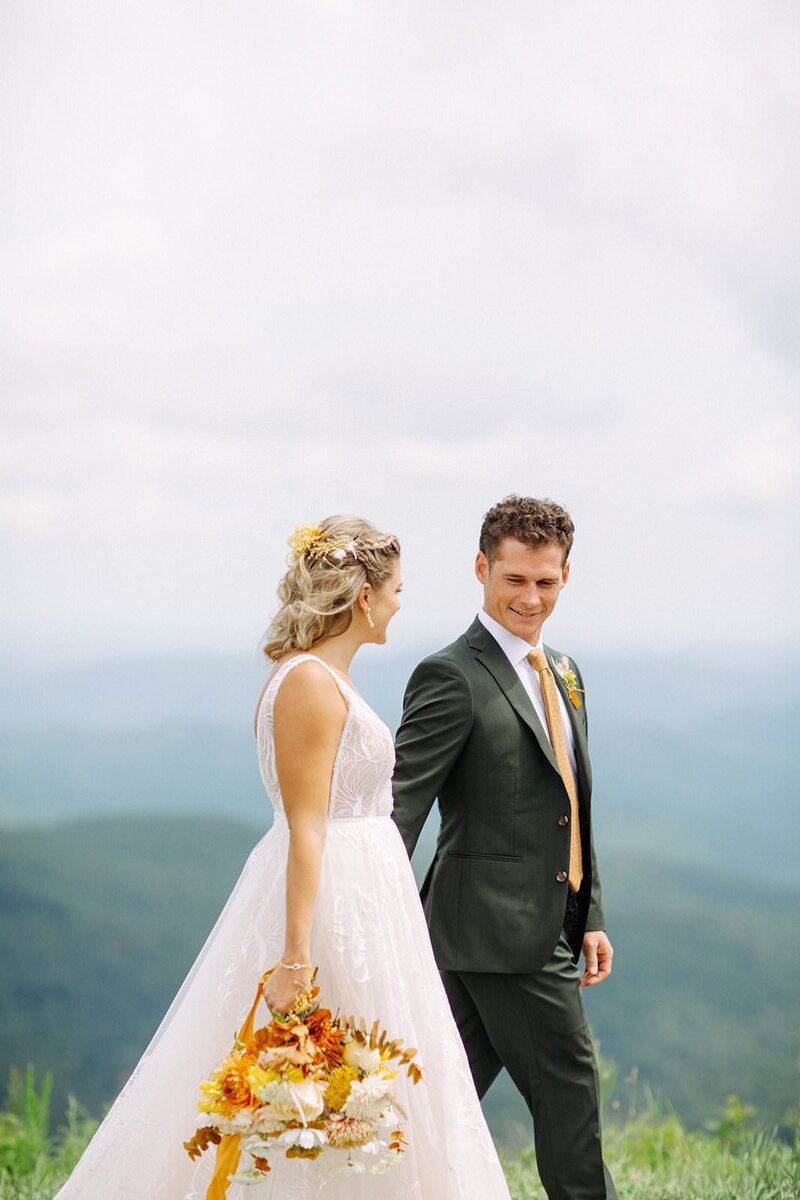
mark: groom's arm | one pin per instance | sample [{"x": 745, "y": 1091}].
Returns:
[
  {"x": 597, "y": 949},
  {"x": 437, "y": 718},
  {"x": 595, "y": 919}
]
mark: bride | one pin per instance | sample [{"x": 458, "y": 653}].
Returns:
[{"x": 330, "y": 884}]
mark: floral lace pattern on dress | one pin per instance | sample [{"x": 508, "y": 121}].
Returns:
[{"x": 362, "y": 773}]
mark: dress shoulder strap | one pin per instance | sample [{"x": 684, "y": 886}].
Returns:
[{"x": 284, "y": 669}]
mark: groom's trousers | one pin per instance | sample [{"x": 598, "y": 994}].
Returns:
[{"x": 534, "y": 1025}]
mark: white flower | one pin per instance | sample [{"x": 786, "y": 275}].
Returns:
[
  {"x": 307, "y": 1138},
  {"x": 255, "y": 1145},
  {"x": 265, "y": 1120},
  {"x": 373, "y": 1147},
  {"x": 391, "y": 1116},
  {"x": 343, "y": 551},
  {"x": 356, "y": 1055},
  {"x": 368, "y": 1096},
  {"x": 290, "y": 1101},
  {"x": 240, "y": 1122},
  {"x": 387, "y": 1162},
  {"x": 247, "y": 1175}
]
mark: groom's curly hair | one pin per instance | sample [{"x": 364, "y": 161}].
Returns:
[{"x": 533, "y": 522}]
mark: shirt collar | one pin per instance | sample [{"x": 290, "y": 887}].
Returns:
[{"x": 516, "y": 649}]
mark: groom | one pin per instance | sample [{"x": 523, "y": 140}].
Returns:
[{"x": 494, "y": 727}]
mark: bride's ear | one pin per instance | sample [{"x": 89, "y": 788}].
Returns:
[{"x": 364, "y": 597}]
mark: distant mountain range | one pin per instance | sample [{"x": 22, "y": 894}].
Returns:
[{"x": 693, "y": 764}]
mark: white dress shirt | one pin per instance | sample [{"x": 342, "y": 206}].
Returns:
[{"x": 516, "y": 650}]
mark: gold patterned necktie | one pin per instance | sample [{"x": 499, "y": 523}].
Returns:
[{"x": 558, "y": 740}]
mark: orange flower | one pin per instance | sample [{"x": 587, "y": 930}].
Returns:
[
  {"x": 328, "y": 1037},
  {"x": 228, "y": 1090}
]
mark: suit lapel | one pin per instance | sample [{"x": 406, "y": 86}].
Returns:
[
  {"x": 578, "y": 731},
  {"x": 496, "y": 663}
]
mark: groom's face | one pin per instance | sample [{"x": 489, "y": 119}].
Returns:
[{"x": 522, "y": 584}]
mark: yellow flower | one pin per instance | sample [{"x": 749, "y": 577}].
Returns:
[
  {"x": 339, "y": 1086},
  {"x": 304, "y": 538},
  {"x": 570, "y": 680},
  {"x": 270, "y": 1075},
  {"x": 257, "y": 1077},
  {"x": 310, "y": 539}
]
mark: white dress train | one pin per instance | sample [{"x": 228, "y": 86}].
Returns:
[{"x": 371, "y": 945}]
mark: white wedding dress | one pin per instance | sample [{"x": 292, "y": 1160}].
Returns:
[{"x": 371, "y": 945}]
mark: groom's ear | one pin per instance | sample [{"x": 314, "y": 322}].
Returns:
[
  {"x": 565, "y": 573},
  {"x": 481, "y": 566}
]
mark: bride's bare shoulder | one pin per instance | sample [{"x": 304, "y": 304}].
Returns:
[
  {"x": 309, "y": 703},
  {"x": 308, "y": 692}
]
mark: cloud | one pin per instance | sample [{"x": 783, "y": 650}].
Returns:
[
  {"x": 759, "y": 470},
  {"x": 398, "y": 261}
]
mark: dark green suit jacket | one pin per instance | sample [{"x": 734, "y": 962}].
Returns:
[{"x": 471, "y": 738}]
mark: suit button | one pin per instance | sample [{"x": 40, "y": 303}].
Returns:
[
  {"x": 563, "y": 820},
  {"x": 561, "y": 876}
]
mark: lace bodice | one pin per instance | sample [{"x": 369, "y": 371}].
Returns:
[{"x": 361, "y": 785}]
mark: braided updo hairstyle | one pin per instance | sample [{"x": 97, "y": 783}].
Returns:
[{"x": 318, "y": 593}]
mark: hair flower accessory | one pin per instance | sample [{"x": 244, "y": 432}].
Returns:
[
  {"x": 315, "y": 542},
  {"x": 342, "y": 551}
]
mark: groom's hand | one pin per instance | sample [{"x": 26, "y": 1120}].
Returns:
[{"x": 597, "y": 955}]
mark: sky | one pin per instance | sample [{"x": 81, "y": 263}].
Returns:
[{"x": 264, "y": 262}]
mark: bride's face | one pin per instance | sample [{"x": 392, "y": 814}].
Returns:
[{"x": 384, "y": 603}]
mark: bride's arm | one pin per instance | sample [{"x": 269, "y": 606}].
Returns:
[{"x": 309, "y": 715}]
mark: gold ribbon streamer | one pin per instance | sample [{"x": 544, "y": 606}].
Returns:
[
  {"x": 228, "y": 1150},
  {"x": 227, "y": 1161}
]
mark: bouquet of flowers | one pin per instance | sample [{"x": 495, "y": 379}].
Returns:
[{"x": 308, "y": 1083}]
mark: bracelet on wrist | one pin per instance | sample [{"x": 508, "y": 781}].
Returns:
[{"x": 298, "y": 966}]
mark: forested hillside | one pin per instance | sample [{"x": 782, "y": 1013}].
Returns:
[{"x": 100, "y": 920}]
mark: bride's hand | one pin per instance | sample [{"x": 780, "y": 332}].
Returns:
[{"x": 283, "y": 987}]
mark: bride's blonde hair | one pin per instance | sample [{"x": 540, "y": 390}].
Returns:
[{"x": 318, "y": 593}]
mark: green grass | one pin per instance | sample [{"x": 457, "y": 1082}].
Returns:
[
  {"x": 33, "y": 1162},
  {"x": 652, "y": 1156},
  {"x": 655, "y": 1158}
]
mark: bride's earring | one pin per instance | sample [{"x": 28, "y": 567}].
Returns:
[{"x": 370, "y": 621}]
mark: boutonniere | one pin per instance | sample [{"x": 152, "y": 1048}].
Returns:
[{"x": 562, "y": 665}]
